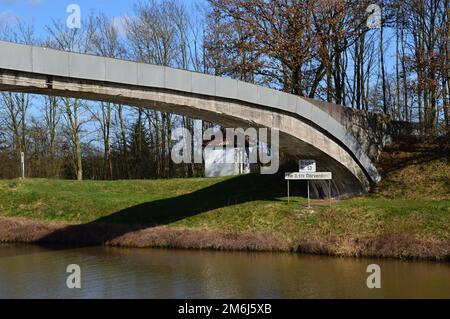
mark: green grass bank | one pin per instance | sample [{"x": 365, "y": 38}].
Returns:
[{"x": 407, "y": 215}]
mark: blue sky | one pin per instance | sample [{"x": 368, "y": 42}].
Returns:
[{"x": 41, "y": 12}]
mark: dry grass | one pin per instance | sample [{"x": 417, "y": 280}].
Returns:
[
  {"x": 414, "y": 170},
  {"x": 397, "y": 246},
  {"x": 24, "y": 230}
]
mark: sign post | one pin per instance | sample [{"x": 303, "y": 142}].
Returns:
[
  {"x": 288, "y": 189},
  {"x": 309, "y": 202},
  {"x": 307, "y": 166},
  {"x": 309, "y": 176},
  {"x": 22, "y": 161},
  {"x": 329, "y": 190}
]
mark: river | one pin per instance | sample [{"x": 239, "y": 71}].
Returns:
[{"x": 29, "y": 271}]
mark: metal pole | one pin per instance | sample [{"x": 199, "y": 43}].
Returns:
[
  {"x": 309, "y": 206},
  {"x": 22, "y": 160},
  {"x": 288, "y": 189},
  {"x": 329, "y": 190}
]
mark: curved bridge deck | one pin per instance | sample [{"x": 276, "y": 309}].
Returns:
[{"x": 306, "y": 131}]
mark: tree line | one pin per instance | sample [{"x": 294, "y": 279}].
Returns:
[
  {"x": 322, "y": 49},
  {"x": 325, "y": 49},
  {"x": 79, "y": 139}
]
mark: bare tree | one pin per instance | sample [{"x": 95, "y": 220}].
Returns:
[
  {"x": 51, "y": 121},
  {"x": 105, "y": 41},
  {"x": 75, "y": 40},
  {"x": 16, "y": 107}
]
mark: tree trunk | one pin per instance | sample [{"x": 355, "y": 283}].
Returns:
[
  {"x": 123, "y": 137},
  {"x": 383, "y": 75},
  {"x": 397, "y": 67},
  {"x": 447, "y": 56},
  {"x": 361, "y": 70}
]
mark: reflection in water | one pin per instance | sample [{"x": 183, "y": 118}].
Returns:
[{"x": 37, "y": 272}]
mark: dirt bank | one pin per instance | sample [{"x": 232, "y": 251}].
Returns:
[{"x": 22, "y": 230}]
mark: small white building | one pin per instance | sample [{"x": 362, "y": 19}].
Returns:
[{"x": 221, "y": 160}]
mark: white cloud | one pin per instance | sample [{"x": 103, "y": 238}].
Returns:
[
  {"x": 120, "y": 24},
  {"x": 8, "y": 19}
]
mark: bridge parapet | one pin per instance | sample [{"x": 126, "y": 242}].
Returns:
[{"x": 371, "y": 130}]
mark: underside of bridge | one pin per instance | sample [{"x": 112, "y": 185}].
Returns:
[{"x": 305, "y": 130}]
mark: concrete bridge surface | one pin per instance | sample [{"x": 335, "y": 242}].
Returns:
[{"x": 340, "y": 140}]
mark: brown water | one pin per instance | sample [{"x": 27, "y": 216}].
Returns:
[{"x": 38, "y": 272}]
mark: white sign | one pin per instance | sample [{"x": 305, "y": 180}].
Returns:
[
  {"x": 306, "y": 176},
  {"x": 307, "y": 166}
]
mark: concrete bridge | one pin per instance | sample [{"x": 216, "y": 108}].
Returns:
[{"x": 308, "y": 128}]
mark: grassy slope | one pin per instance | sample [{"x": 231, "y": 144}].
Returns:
[
  {"x": 225, "y": 203},
  {"x": 413, "y": 200}
]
